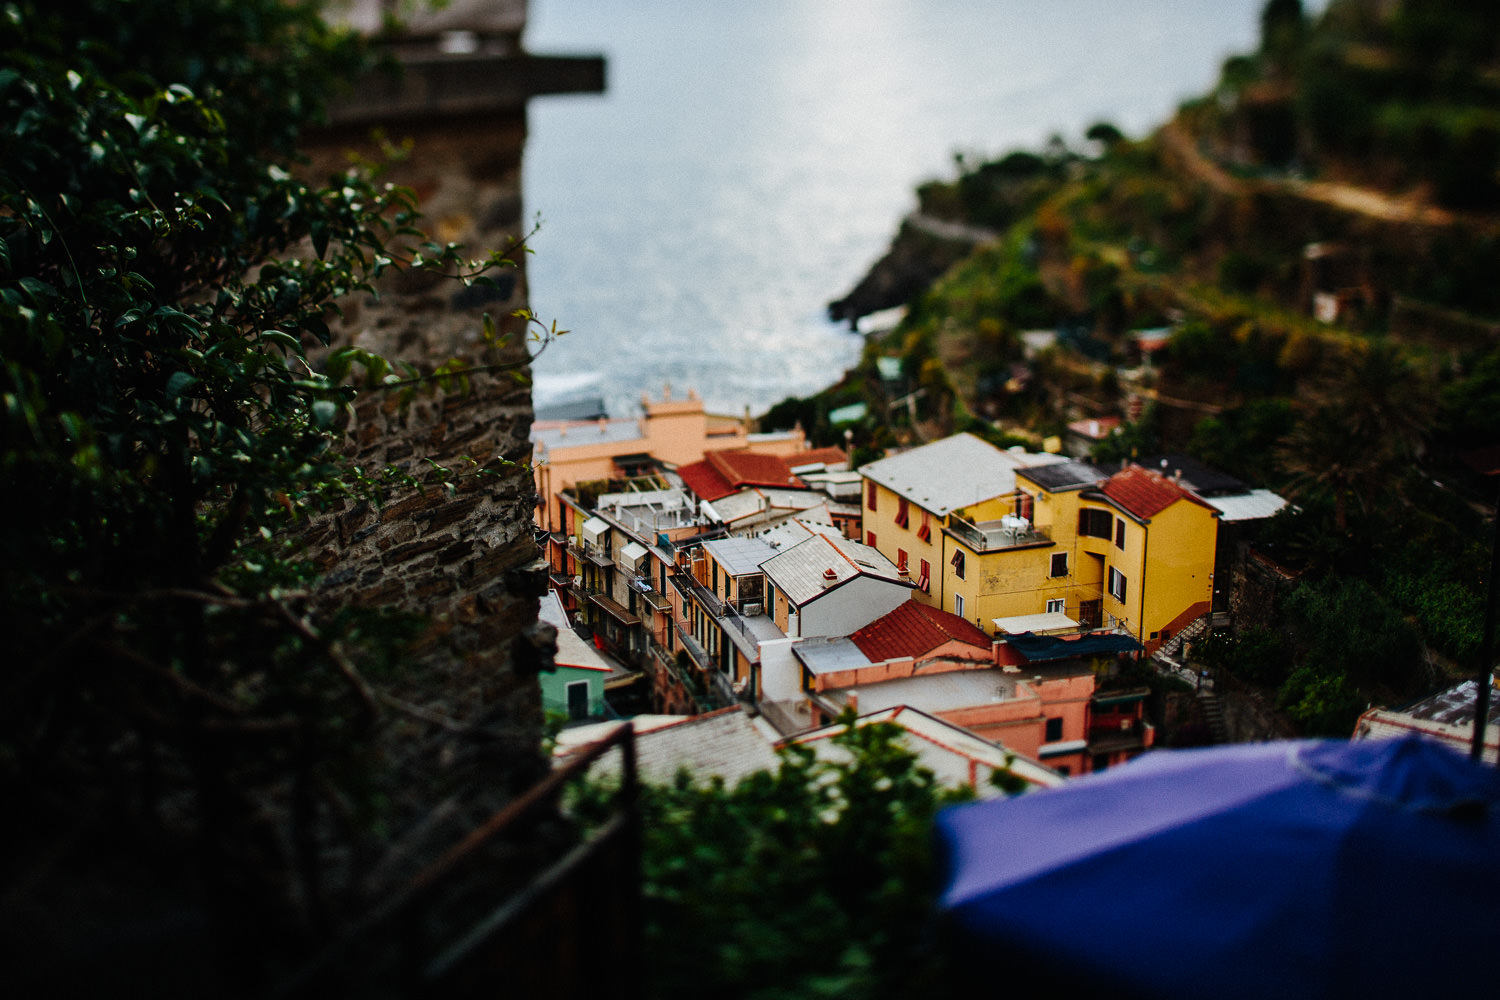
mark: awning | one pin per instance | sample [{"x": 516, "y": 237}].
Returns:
[
  {"x": 1043, "y": 648},
  {"x": 1121, "y": 698},
  {"x": 1050, "y": 621},
  {"x": 594, "y": 529},
  {"x": 631, "y": 556},
  {"x": 1058, "y": 749},
  {"x": 614, "y": 609}
]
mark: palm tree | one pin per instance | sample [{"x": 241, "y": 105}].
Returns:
[{"x": 1359, "y": 427}]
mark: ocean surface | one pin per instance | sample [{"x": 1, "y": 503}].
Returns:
[{"x": 752, "y": 158}]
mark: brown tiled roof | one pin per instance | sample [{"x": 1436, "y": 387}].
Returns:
[
  {"x": 915, "y": 629},
  {"x": 1145, "y": 493}
]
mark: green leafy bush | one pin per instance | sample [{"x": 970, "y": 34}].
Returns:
[{"x": 813, "y": 880}]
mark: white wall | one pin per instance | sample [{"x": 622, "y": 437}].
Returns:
[
  {"x": 780, "y": 671},
  {"x": 850, "y": 607}
]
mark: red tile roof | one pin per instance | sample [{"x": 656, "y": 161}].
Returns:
[
  {"x": 1145, "y": 493},
  {"x": 818, "y": 456},
  {"x": 914, "y": 630},
  {"x": 705, "y": 481},
  {"x": 746, "y": 468}
]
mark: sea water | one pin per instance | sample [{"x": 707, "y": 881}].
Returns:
[{"x": 750, "y": 159}]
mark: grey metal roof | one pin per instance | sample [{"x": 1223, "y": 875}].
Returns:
[
  {"x": 799, "y": 529},
  {"x": 739, "y": 556},
  {"x": 726, "y": 744},
  {"x": 589, "y": 408},
  {"x": 1066, "y": 476},
  {"x": 1200, "y": 478},
  {"x": 825, "y": 656},
  {"x": 953, "y": 473},
  {"x": 935, "y": 692},
  {"x": 571, "y": 435},
  {"x": 949, "y": 751},
  {"x": 801, "y": 571},
  {"x": 1250, "y": 506}
]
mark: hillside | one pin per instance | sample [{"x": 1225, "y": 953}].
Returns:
[{"x": 1290, "y": 280}]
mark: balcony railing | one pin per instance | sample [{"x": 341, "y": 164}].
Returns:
[
  {"x": 707, "y": 598},
  {"x": 990, "y": 536},
  {"x": 694, "y": 648},
  {"x": 658, "y": 600},
  {"x": 649, "y": 521}
]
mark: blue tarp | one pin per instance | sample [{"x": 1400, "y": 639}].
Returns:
[
  {"x": 1297, "y": 870},
  {"x": 1046, "y": 648}
]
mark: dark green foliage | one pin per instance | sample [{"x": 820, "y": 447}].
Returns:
[
  {"x": 815, "y": 880},
  {"x": 1281, "y": 25},
  {"x": 1241, "y": 441},
  {"x": 163, "y": 269},
  {"x": 1259, "y": 655},
  {"x": 1322, "y": 702},
  {"x": 1421, "y": 106},
  {"x": 1105, "y": 134},
  {"x": 1131, "y": 441},
  {"x": 1448, "y": 611},
  {"x": 1469, "y": 405},
  {"x": 1350, "y": 639}
]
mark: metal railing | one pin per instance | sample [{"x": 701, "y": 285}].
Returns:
[
  {"x": 525, "y": 945},
  {"x": 990, "y": 536},
  {"x": 710, "y": 601}
]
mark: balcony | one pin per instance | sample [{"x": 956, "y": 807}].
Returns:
[
  {"x": 710, "y": 601},
  {"x": 650, "y": 520},
  {"x": 694, "y": 648},
  {"x": 653, "y": 597},
  {"x": 991, "y": 536}
]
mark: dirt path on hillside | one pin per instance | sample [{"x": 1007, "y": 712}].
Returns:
[{"x": 1182, "y": 148}]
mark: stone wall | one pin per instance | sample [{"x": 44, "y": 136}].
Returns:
[{"x": 453, "y": 543}]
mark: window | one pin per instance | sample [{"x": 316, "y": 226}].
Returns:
[
  {"x": 924, "y": 582},
  {"x": 901, "y": 560},
  {"x": 924, "y": 533},
  {"x": 903, "y": 512},
  {"x": 870, "y": 495},
  {"x": 1056, "y": 607},
  {"x": 870, "y": 539},
  {"x": 958, "y": 605},
  {"x": 1059, "y": 565},
  {"x": 958, "y": 564},
  {"x": 1116, "y": 584},
  {"x": 1095, "y": 523},
  {"x": 1119, "y": 532},
  {"x": 1054, "y": 730}
]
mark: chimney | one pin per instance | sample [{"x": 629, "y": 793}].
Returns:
[{"x": 829, "y": 578}]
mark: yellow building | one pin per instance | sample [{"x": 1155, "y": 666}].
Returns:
[
  {"x": 910, "y": 498},
  {"x": 1133, "y": 551},
  {"x": 990, "y": 534}
]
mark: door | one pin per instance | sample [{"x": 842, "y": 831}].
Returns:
[{"x": 578, "y": 699}]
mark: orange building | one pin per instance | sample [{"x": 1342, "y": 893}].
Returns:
[{"x": 672, "y": 432}]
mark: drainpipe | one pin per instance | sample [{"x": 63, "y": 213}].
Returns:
[
  {"x": 942, "y": 573},
  {"x": 1140, "y": 628}
]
